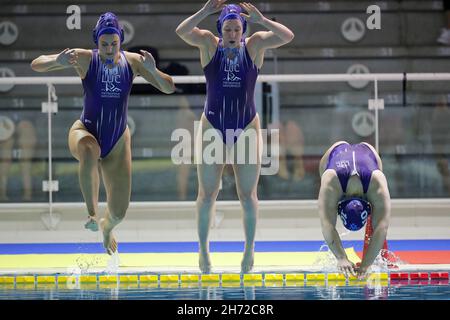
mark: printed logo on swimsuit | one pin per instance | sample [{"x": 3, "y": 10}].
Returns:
[
  {"x": 111, "y": 80},
  {"x": 231, "y": 80},
  {"x": 343, "y": 164}
]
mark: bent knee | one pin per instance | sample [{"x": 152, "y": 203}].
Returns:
[
  {"x": 118, "y": 214},
  {"x": 88, "y": 149}
]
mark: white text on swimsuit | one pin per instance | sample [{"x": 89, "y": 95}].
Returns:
[{"x": 247, "y": 146}]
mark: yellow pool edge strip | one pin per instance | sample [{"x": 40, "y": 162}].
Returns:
[
  {"x": 25, "y": 279},
  {"x": 148, "y": 278},
  {"x": 210, "y": 277},
  {"x": 225, "y": 279},
  {"x": 273, "y": 277},
  {"x": 295, "y": 277},
  {"x": 315, "y": 277},
  {"x": 253, "y": 277},
  {"x": 158, "y": 260},
  {"x": 7, "y": 280},
  {"x": 187, "y": 278},
  {"x": 231, "y": 277},
  {"x": 128, "y": 278},
  {"x": 46, "y": 279},
  {"x": 88, "y": 279}
]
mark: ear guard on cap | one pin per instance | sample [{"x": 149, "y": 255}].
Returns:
[
  {"x": 107, "y": 24},
  {"x": 354, "y": 213}
]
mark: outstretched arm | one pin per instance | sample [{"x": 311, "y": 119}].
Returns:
[
  {"x": 188, "y": 30},
  {"x": 146, "y": 67},
  {"x": 277, "y": 35},
  {"x": 328, "y": 199},
  {"x": 378, "y": 195},
  {"x": 68, "y": 58}
]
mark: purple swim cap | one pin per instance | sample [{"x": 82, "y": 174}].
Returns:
[
  {"x": 230, "y": 12},
  {"x": 354, "y": 213},
  {"x": 107, "y": 24}
]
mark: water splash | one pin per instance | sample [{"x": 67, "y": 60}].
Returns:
[
  {"x": 326, "y": 261},
  {"x": 385, "y": 260},
  {"x": 113, "y": 263},
  {"x": 85, "y": 263},
  {"x": 72, "y": 281}
]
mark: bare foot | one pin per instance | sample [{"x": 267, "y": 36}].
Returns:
[
  {"x": 204, "y": 262},
  {"x": 109, "y": 242},
  {"x": 247, "y": 262},
  {"x": 91, "y": 224}
]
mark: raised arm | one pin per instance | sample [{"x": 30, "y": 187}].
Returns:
[
  {"x": 378, "y": 195},
  {"x": 277, "y": 35},
  {"x": 188, "y": 30},
  {"x": 145, "y": 66},
  {"x": 68, "y": 58},
  {"x": 327, "y": 201}
]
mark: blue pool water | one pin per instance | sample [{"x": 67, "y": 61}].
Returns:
[{"x": 391, "y": 292}]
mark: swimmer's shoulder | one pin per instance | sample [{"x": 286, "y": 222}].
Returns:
[
  {"x": 84, "y": 54},
  {"x": 84, "y": 60}
]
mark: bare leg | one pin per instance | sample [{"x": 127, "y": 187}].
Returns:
[
  {"x": 247, "y": 176},
  {"x": 27, "y": 143},
  {"x": 209, "y": 182},
  {"x": 5, "y": 164},
  {"x": 246, "y": 183},
  {"x": 116, "y": 173},
  {"x": 85, "y": 149},
  {"x": 208, "y": 188}
]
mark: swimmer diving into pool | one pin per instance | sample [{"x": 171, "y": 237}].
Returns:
[{"x": 354, "y": 188}]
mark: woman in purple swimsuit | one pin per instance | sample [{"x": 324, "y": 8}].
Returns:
[
  {"x": 231, "y": 63},
  {"x": 101, "y": 134},
  {"x": 354, "y": 188}
]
